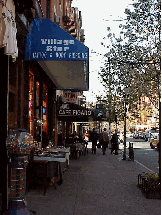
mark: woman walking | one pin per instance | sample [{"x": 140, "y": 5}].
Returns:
[{"x": 105, "y": 140}]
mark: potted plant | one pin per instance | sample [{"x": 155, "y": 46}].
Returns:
[{"x": 152, "y": 186}]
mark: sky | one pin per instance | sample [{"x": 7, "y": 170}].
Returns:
[{"x": 96, "y": 17}]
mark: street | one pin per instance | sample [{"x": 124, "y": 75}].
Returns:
[{"x": 143, "y": 154}]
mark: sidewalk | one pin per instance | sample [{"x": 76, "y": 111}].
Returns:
[{"x": 96, "y": 184}]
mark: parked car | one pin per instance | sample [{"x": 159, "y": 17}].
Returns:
[
  {"x": 154, "y": 142},
  {"x": 154, "y": 133},
  {"x": 150, "y": 133},
  {"x": 129, "y": 134},
  {"x": 140, "y": 134},
  {"x": 136, "y": 135}
]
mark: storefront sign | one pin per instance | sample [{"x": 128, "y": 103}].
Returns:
[
  {"x": 69, "y": 96},
  {"x": 64, "y": 58},
  {"x": 65, "y": 110},
  {"x": 47, "y": 41}
]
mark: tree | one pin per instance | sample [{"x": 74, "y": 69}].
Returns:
[
  {"x": 136, "y": 57},
  {"x": 143, "y": 29}
]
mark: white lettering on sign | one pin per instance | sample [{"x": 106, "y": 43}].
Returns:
[
  {"x": 64, "y": 112},
  {"x": 60, "y": 55},
  {"x": 65, "y": 106},
  {"x": 74, "y": 112},
  {"x": 44, "y": 41},
  {"x": 78, "y": 55},
  {"x": 49, "y": 48},
  {"x": 69, "y": 112},
  {"x": 59, "y": 49},
  {"x": 52, "y": 41},
  {"x": 66, "y": 42},
  {"x": 89, "y": 112},
  {"x": 79, "y": 112},
  {"x": 55, "y": 48},
  {"x": 66, "y": 48},
  {"x": 73, "y": 55},
  {"x": 71, "y": 42},
  {"x": 59, "y": 42},
  {"x": 39, "y": 55}
]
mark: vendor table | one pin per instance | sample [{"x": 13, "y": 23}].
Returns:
[
  {"x": 63, "y": 151},
  {"x": 46, "y": 168}
]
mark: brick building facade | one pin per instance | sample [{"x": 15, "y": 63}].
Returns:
[{"x": 28, "y": 94}]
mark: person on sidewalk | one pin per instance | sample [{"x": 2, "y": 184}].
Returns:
[
  {"x": 105, "y": 141},
  {"x": 114, "y": 142},
  {"x": 94, "y": 138}
]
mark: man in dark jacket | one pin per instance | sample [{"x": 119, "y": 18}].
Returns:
[
  {"x": 114, "y": 142},
  {"x": 94, "y": 138}
]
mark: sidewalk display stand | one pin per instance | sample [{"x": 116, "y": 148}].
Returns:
[{"x": 19, "y": 145}]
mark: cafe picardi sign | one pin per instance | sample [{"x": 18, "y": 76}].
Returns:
[{"x": 65, "y": 110}]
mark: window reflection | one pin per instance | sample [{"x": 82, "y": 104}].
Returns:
[
  {"x": 31, "y": 103},
  {"x": 44, "y": 109}
]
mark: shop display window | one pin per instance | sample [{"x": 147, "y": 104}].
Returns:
[
  {"x": 44, "y": 109},
  {"x": 37, "y": 100},
  {"x": 37, "y": 93},
  {"x": 31, "y": 103}
]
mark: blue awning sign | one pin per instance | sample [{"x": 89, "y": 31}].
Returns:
[{"x": 47, "y": 41}]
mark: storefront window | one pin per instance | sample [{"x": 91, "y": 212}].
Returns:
[
  {"x": 37, "y": 100},
  {"x": 31, "y": 103},
  {"x": 44, "y": 109}
]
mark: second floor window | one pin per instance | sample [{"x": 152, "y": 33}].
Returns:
[{"x": 48, "y": 9}]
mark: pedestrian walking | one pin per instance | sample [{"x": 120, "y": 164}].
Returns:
[
  {"x": 114, "y": 142},
  {"x": 104, "y": 141},
  {"x": 94, "y": 138}
]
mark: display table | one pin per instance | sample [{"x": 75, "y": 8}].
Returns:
[
  {"x": 62, "y": 160},
  {"x": 46, "y": 169},
  {"x": 49, "y": 159},
  {"x": 63, "y": 151}
]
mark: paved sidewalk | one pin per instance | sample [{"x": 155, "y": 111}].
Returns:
[{"x": 96, "y": 184}]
